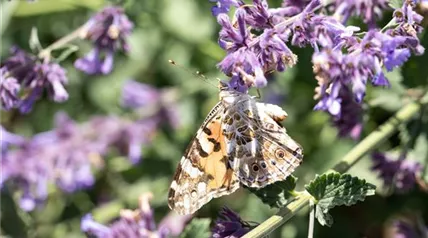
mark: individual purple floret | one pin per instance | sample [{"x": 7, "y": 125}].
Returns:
[
  {"x": 230, "y": 225},
  {"x": 223, "y": 6},
  {"x": 399, "y": 174},
  {"x": 108, "y": 30},
  {"x": 137, "y": 223},
  {"x": 25, "y": 78},
  {"x": 9, "y": 90}
]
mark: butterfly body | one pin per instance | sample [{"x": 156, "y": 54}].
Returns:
[{"x": 240, "y": 142}]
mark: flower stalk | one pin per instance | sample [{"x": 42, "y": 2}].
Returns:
[
  {"x": 382, "y": 133},
  {"x": 45, "y": 53}
]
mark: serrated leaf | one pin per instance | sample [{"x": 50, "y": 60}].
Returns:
[
  {"x": 335, "y": 189},
  {"x": 198, "y": 227},
  {"x": 277, "y": 194},
  {"x": 325, "y": 219},
  {"x": 395, "y": 3}
]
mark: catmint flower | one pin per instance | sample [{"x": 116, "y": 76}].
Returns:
[
  {"x": 349, "y": 121},
  {"x": 399, "y": 174},
  {"x": 369, "y": 11},
  {"x": 137, "y": 223},
  {"x": 137, "y": 95},
  {"x": 33, "y": 76},
  {"x": 230, "y": 225},
  {"x": 66, "y": 155},
  {"x": 149, "y": 102},
  {"x": 408, "y": 26},
  {"x": 108, "y": 30}
]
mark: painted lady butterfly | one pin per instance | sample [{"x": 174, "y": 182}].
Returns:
[{"x": 240, "y": 142}]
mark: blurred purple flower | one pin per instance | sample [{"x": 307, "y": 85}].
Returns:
[
  {"x": 139, "y": 223},
  {"x": 369, "y": 11},
  {"x": 108, "y": 30},
  {"x": 230, "y": 225},
  {"x": 9, "y": 139},
  {"x": 26, "y": 74},
  {"x": 136, "y": 95},
  {"x": 408, "y": 229},
  {"x": 149, "y": 102},
  {"x": 66, "y": 155},
  {"x": 399, "y": 174}
]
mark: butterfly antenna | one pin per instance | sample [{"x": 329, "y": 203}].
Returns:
[{"x": 196, "y": 73}]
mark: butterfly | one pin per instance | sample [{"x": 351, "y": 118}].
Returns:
[{"x": 241, "y": 141}]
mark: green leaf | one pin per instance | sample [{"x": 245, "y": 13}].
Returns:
[
  {"x": 277, "y": 194},
  {"x": 199, "y": 227},
  {"x": 324, "y": 218},
  {"x": 395, "y": 3},
  {"x": 335, "y": 189}
]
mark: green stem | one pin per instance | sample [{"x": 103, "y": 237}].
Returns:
[
  {"x": 369, "y": 143},
  {"x": 46, "y": 52}
]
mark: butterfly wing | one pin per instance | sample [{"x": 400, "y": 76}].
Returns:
[
  {"x": 260, "y": 150},
  {"x": 203, "y": 172}
]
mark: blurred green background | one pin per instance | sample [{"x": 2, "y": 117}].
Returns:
[{"x": 186, "y": 32}]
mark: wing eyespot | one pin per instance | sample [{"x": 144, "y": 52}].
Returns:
[
  {"x": 280, "y": 153},
  {"x": 263, "y": 164},
  {"x": 255, "y": 167}
]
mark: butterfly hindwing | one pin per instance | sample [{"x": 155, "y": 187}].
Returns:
[
  {"x": 260, "y": 150},
  {"x": 203, "y": 172}
]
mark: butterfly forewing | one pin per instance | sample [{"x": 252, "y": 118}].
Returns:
[{"x": 203, "y": 172}]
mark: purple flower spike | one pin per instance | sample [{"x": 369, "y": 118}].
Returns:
[
  {"x": 230, "y": 225},
  {"x": 136, "y": 224},
  {"x": 24, "y": 72},
  {"x": 108, "y": 30},
  {"x": 399, "y": 174}
]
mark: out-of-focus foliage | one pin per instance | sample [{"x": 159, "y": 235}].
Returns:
[{"x": 186, "y": 32}]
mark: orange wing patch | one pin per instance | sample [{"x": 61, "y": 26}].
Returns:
[{"x": 204, "y": 172}]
